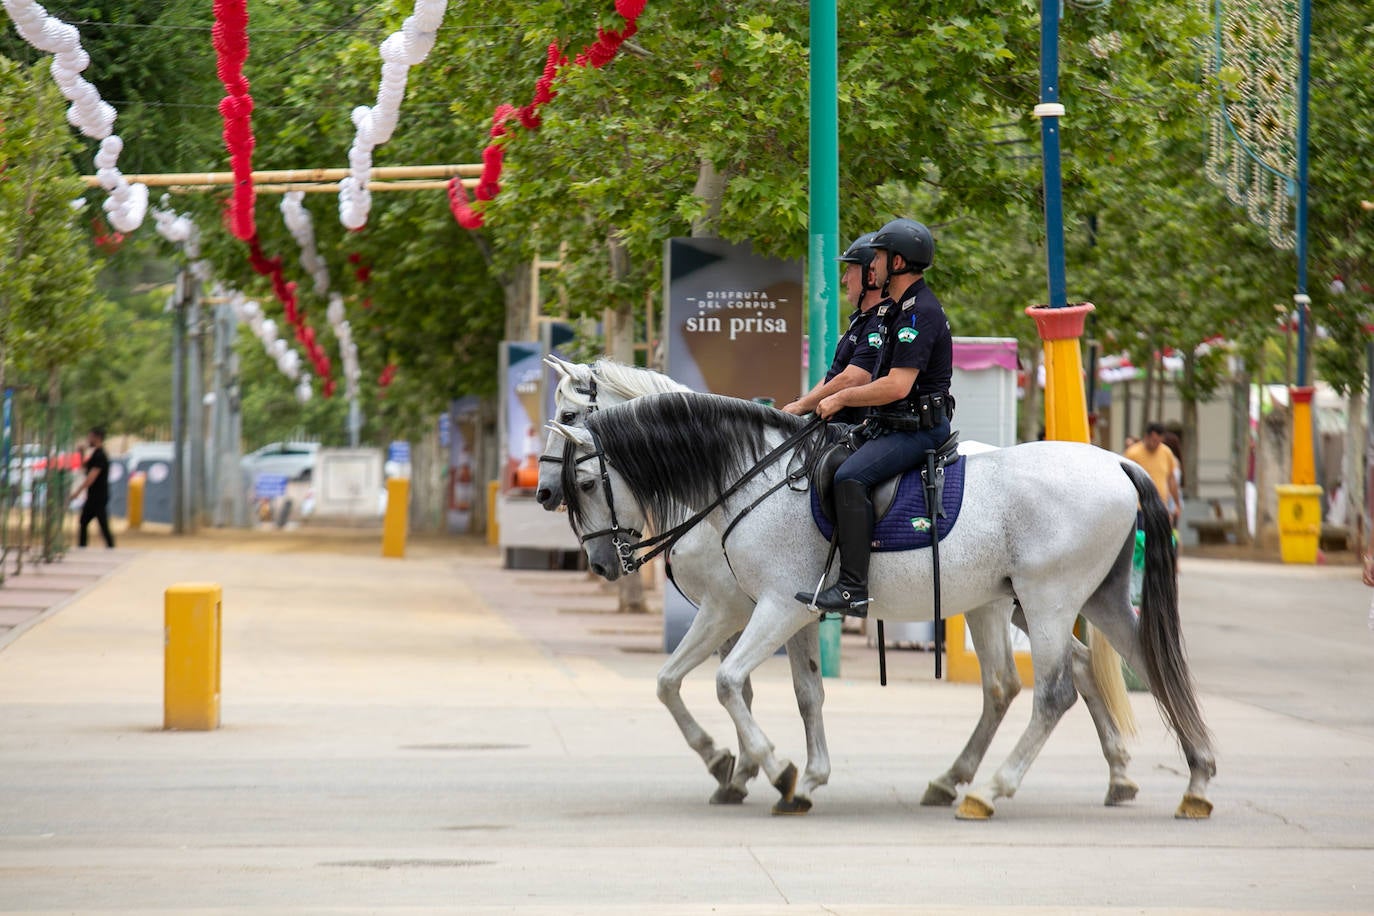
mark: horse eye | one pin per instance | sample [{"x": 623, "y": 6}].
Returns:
[
  {"x": 587, "y": 486},
  {"x": 567, "y": 416}
]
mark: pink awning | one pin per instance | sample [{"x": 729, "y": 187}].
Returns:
[{"x": 974, "y": 356}]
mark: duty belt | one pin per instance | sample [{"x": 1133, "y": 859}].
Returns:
[{"x": 926, "y": 411}]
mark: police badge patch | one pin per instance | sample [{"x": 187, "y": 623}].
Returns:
[
  {"x": 906, "y": 335},
  {"x": 875, "y": 339}
]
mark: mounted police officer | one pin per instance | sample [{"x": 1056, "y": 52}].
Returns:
[
  {"x": 856, "y": 354},
  {"x": 908, "y": 396}
]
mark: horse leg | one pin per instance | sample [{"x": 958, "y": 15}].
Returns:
[
  {"x": 803, "y": 655},
  {"x": 987, "y": 626},
  {"x": 1054, "y": 693},
  {"x": 774, "y": 621},
  {"x": 1109, "y": 610},
  {"x": 708, "y": 630},
  {"x": 746, "y": 767}
]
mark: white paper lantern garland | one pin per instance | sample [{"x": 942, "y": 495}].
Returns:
[
  {"x": 302, "y": 229},
  {"x": 127, "y": 203},
  {"x": 400, "y": 51},
  {"x": 179, "y": 230}
]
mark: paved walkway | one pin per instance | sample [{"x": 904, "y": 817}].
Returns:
[
  {"x": 439, "y": 735},
  {"x": 33, "y": 590}
]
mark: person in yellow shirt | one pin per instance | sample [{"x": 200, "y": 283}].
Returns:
[{"x": 1158, "y": 460}]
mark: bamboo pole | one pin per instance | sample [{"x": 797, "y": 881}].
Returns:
[
  {"x": 330, "y": 187},
  {"x": 381, "y": 173}
]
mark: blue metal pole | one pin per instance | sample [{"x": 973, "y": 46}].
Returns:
[
  {"x": 1300, "y": 220},
  {"x": 1049, "y": 111},
  {"x": 824, "y": 199}
]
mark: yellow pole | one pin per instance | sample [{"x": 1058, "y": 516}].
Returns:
[
  {"x": 397, "y": 517},
  {"x": 1300, "y": 502},
  {"x": 191, "y": 662},
  {"x": 1304, "y": 466},
  {"x": 1066, "y": 406},
  {"x": 493, "y": 525},
  {"x": 137, "y": 482}
]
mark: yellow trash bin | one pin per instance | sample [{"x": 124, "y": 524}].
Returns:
[{"x": 1300, "y": 522}]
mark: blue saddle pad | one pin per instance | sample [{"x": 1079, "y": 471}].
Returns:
[{"x": 905, "y": 526}]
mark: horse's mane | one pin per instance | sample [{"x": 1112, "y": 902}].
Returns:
[
  {"x": 631, "y": 381},
  {"x": 680, "y": 450}
]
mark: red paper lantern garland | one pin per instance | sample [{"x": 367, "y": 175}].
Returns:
[
  {"x": 230, "y": 35},
  {"x": 597, "y": 54},
  {"x": 286, "y": 293}
]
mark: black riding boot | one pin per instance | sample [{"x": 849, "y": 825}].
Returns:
[{"x": 854, "y": 523}]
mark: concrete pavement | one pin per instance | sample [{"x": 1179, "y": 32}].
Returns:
[{"x": 439, "y": 735}]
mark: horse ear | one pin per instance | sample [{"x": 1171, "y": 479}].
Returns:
[
  {"x": 574, "y": 434},
  {"x": 559, "y": 365}
]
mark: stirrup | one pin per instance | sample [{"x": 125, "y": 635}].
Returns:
[{"x": 845, "y": 600}]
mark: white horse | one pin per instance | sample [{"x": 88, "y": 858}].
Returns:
[
  {"x": 1049, "y": 524},
  {"x": 700, "y": 570}
]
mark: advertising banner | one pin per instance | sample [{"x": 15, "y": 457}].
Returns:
[
  {"x": 522, "y": 369},
  {"x": 734, "y": 319}
]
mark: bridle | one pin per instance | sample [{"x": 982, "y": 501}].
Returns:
[{"x": 624, "y": 548}]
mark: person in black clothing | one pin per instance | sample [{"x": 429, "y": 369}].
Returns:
[
  {"x": 909, "y": 397},
  {"x": 856, "y": 354},
  {"x": 96, "y": 486}
]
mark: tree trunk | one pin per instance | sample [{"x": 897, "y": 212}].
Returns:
[
  {"x": 517, "y": 289},
  {"x": 1147, "y": 409},
  {"x": 1190, "y": 432},
  {"x": 1032, "y": 417},
  {"x": 620, "y": 346},
  {"x": 1240, "y": 448},
  {"x": 710, "y": 187}
]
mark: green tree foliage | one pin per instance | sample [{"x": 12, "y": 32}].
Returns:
[{"x": 48, "y": 296}]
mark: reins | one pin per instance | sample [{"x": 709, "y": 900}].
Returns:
[{"x": 662, "y": 541}]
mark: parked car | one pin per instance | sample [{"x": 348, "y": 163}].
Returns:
[{"x": 293, "y": 460}]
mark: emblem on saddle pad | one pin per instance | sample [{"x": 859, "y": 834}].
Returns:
[
  {"x": 921, "y": 524},
  {"x": 906, "y": 335}
]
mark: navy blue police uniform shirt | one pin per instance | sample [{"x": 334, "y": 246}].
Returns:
[
  {"x": 859, "y": 346},
  {"x": 916, "y": 335}
]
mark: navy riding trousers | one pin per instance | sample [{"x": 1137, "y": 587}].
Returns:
[{"x": 890, "y": 454}]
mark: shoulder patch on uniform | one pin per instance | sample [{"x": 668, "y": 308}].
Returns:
[
  {"x": 875, "y": 339},
  {"x": 906, "y": 335}
]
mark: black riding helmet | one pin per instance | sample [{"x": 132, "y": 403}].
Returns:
[
  {"x": 911, "y": 240},
  {"x": 861, "y": 252}
]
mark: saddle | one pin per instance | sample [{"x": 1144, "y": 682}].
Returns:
[{"x": 885, "y": 493}]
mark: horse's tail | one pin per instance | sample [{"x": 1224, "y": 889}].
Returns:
[
  {"x": 1161, "y": 641},
  {"x": 1111, "y": 683}
]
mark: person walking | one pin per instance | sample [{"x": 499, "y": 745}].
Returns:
[
  {"x": 96, "y": 486},
  {"x": 909, "y": 397},
  {"x": 1158, "y": 460}
]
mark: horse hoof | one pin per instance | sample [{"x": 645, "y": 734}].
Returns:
[
  {"x": 786, "y": 783},
  {"x": 1118, "y": 793},
  {"x": 722, "y": 767},
  {"x": 973, "y": 808},
  {"x": 1193, "y": 808},
  {"x": 798, "y": 804},
  {"x": 938, "y": 795},
  {"x": 728, "y": 795}
]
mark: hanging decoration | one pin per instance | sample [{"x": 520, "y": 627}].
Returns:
[
  {"x": 400, "y": 51},
  {"x": 1252, "y": 137},
  {"x": 597, "y": 55},
  {"x": 286, "y": 295},
  {"x": 230, "y": 36},
  {"x": 127, "y": 203},
  {"x": 302, "y": 228},
  {"x": 179, "y": 230}
]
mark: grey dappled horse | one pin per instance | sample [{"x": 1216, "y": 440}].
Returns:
[
  {"x": 1048, "y": 523},
  {"x": 701, "y": 572}
]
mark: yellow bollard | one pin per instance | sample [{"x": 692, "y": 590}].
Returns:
[
  {"x": 136, "y": 484},
  {"x": 493, "y": 526},
  {"x": 190, "y": 696},
  {"x": 397, "y": 516}
]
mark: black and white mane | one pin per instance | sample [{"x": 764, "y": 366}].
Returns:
[{"x": 679, "y": 450}]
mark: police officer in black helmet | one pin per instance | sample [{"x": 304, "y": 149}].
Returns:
[
  {"x": 908, "y": 397},
  {"x": 856, "y": 354}
]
